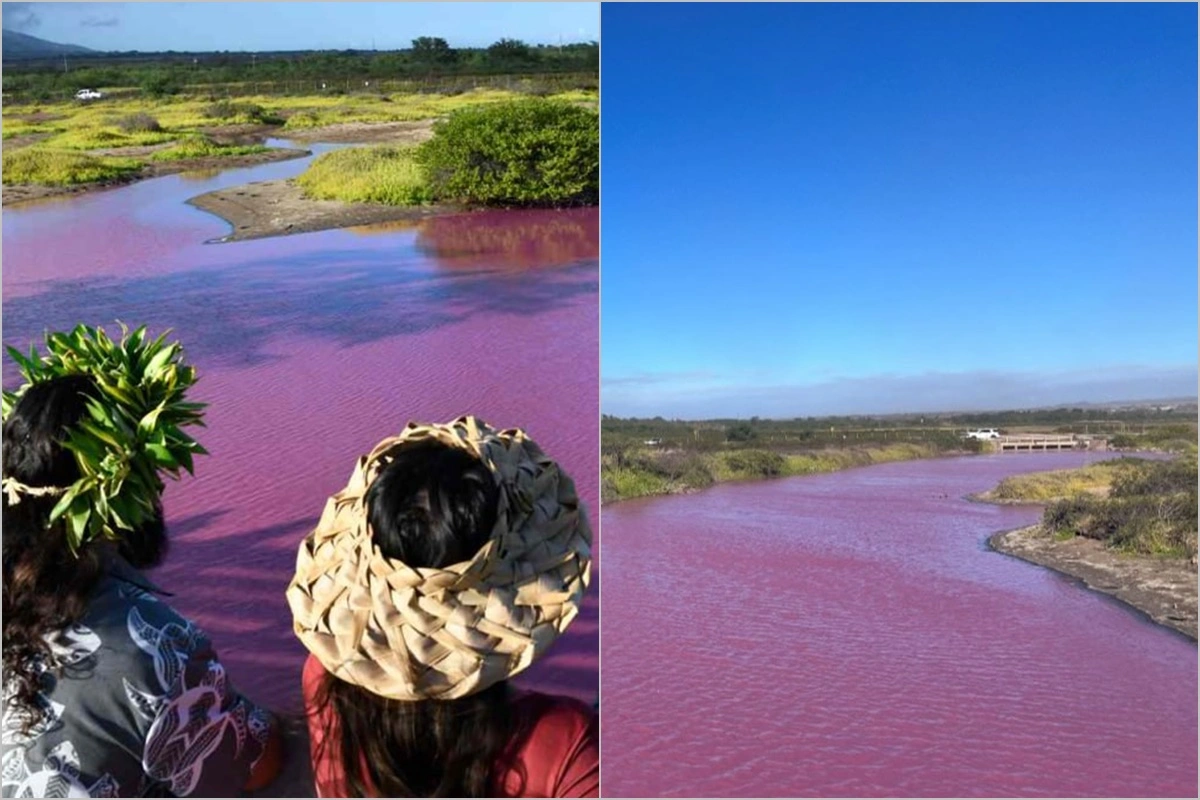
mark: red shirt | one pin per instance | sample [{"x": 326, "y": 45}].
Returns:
[{"x": 560, "y": 757}]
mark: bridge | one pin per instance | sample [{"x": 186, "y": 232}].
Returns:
[{"x": 1041, "y": 441}]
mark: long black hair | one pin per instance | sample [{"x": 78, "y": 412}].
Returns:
[
  {"x": 46, "y": 586},
  {"x": 432, "y": 506}
]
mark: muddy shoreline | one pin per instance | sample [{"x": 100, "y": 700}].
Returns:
[
  {"x": 24, "y": 193},
  {"x": 1164, "y": 590},
  {"x": 279, "y": 208}
]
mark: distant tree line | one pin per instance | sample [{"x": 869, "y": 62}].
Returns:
[
  {"x": 429, "y": 56},
  {"x": 1140, "y": 426}
]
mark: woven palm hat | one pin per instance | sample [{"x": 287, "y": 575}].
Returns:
[{"x": 419, "y": 633}]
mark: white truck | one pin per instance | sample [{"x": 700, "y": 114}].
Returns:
[
  {"x": 983, "y": 434},
  {"x": 88, "y": 94}
]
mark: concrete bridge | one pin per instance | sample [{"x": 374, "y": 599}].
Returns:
[{"x": 1041, "y": 441}]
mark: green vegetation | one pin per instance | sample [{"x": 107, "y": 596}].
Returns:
[
  {"x": 203, "y": 147},
  {"x": 801, "y": 434},
  {"x": 531, "y": 152},
  {"x": 1169, "y": 438},
  {"x": 106, "y": 137},
  {"x": 231, "y": 113},
  {"x": 133, "y": 431},
  {"x": 429, "y": 65},
  {"x": 1045, "y": 487},
  {"x": 384, "y": 174},
  {"x": 44, "y": 167},
  {"x": 629, "y": 472},
  {"x": 140, "y": 122},
  {"x": 1150, "y": 509},
  {"x": 137, "y": 122}
]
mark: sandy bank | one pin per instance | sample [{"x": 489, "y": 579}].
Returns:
[
  {"x": 277, "y": 208},
  {"x": 1163, "y": 589},
  {"x": 24, "y": 193}
]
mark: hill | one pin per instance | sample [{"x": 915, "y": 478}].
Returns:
[{"x": 22, "y": 47}]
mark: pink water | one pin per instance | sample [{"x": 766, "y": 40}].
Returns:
[
  {"x": 851, "y": 635},
  {"x": 310, "y": 349}
]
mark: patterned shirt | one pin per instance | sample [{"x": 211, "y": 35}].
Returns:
[{"x": 140, "y": 706}]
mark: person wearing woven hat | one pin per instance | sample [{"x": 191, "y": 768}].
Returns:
[
  {"x": 108, "y": 692},
  {"x": 453, "y": 559}
]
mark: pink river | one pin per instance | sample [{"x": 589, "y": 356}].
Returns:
[
  {"x": 310, "y": 349},
  {"x": 851, "y": 634}
]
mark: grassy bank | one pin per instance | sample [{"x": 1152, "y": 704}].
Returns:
[
  {"x": 59, "y": 168},
  {"x": 643, "y": 472},
  {"x": 1130, "y": 505},
  {"x": 1150, "y": 508},
  {"x": 387, "y": 175},
  {"x": 527, "y": 152},
  {"x": 1047, "y": 487}
]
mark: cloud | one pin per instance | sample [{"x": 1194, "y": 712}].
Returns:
[
  {"x": 659, "y": 378},
  {"x": 21, "y": 17},
  {"x": 887, "y": 394},
  {"x": 100, "y": 22}
]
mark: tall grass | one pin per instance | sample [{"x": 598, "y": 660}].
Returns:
[
  {"x": 45, "y": 167},
  {"x": 1044, "y": 487},
  {"x": 385, "y": 174},
  {"x": 639, "y": 472},
  {"x": 203, "y": 147}
]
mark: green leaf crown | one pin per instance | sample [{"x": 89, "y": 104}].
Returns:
[{"x": 132, "y": 431}]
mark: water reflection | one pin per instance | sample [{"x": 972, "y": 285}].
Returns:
[
  {"x": 502, "y": 239},
  {"x": 370, "y": 296},
  {"x": 512, "y": 238},
  {"x": 200, "y": 174}
]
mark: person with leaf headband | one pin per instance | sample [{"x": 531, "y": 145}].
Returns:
[
  {"x": 454, "y": 558},
  {"x": 108, "y": 692}
]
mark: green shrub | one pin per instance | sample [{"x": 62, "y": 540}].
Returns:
[
  {"x": 1151, "y": 509},
  {"x": 1123, "y": 441},
  {"x": 530, "y": 152},
  {"x": 35, "y": 165},
  {"x": 138, "y": 123},
  {"x": 160, "y": 84},
  {"x": 228, "y": 111},
  {"x": 741, "y": 432},
  {"x": 385, "y": 174},
  {"x": 755, "y": 463}
]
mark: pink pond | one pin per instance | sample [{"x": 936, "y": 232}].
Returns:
[
  {"x": 851, "y": 634},
  {"x": 310, "y": 349}
]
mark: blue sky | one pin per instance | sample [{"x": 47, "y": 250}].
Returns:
[
  {"x": 817, "y": 209},
  {"x": 299, "y": 26}
]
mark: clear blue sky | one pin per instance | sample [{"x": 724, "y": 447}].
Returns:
[
  {"x": 299, "y": 26},
  {"x": 815, "y": 209}
]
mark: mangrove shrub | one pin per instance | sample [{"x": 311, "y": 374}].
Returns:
[{"x": 533, "y": 152}]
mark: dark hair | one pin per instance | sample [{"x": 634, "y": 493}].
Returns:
[
  {"x": 432, "y": 506},
  {"x": 46, "y": 586}
]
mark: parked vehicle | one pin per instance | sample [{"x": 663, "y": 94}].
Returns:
[{"x": 88, "y": 94}]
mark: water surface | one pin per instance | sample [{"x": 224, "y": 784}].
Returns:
[
  {"x": 310, "y": 349},
  {"x": 851, "y": 634}
]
